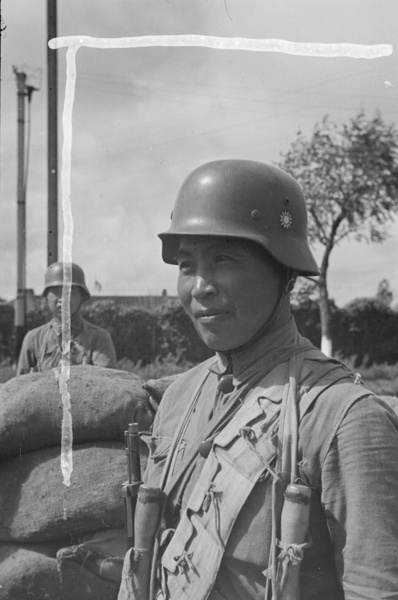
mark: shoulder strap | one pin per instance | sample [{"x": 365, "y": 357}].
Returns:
[
  {"x": 330, "y": 377},
  {"x": 222, "y": 416}
]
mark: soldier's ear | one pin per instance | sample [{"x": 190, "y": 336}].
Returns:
[{"x": 291, "y": 277}]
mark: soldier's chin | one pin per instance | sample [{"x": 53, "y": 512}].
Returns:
[{"x": 213, "y": 341}]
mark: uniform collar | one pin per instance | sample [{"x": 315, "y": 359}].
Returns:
[
  {"x": 265, "y": 349},
  {"x": 77, "y": 325}
]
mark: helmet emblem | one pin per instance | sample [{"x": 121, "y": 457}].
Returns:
[{"x": 286, "y": 219}]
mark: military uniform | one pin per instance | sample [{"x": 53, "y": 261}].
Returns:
[
  {"x": 41, "y": 347},
  {"x": 269, "y": 415},
  {"x": 218, "y": 520}
]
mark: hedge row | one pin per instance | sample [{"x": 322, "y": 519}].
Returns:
[
  {"x": 139, "y": 334},
  {"x": 366, "y": 328}
]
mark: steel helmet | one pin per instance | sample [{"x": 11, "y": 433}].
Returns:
[
  {"x": 248, "y": 200},
  {"x": 55, "y": 276}
]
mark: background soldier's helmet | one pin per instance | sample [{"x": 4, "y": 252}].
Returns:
[
  {"x": 247, "y": 200},
  {"x": 55, "y": 276}
]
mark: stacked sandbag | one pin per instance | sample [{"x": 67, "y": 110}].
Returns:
[
  {"x": 103, "y": 402},
  {"x": 157, "y": 387},
  {"x": 28, "y": 572},
  {"x": 39, "y": 514},
  {"x": 95, "y": 564},
  {"x": 35, "y": 506}
]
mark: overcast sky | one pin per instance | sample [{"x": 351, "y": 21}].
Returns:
[{"x": 144, "y": 118}]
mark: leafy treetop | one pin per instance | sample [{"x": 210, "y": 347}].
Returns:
[{"x": 349, "y": 176}]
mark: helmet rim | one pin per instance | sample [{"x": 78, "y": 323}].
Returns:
[
  {"x": 54, "y": 277},
  {"x": 247, "y": 200}
]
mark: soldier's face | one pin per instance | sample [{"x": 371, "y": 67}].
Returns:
[
  {"x": 54, "y": 300},
  {"x": 228, "y": 287}
]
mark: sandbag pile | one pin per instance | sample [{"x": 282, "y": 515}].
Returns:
[
  {"x": 64, "y": 542},
  {"x": 157, "y": 387}
]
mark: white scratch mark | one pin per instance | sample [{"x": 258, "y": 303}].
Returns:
[
  {"x": 67, "y": 427},
  {"x": 73, "y": 43},
  {"x": 223, "y": 43}
]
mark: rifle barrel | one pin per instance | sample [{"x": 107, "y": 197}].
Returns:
[{"x": 131, "y": 486}]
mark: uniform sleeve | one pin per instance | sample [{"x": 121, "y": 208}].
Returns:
[
  {"x": 103, "y": 353},
  {"x": 360, "y": 495},
  {"x": 27, "y": 359}
]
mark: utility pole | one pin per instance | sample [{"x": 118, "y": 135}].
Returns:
[
  {"x": 23, "y": 91},
  {"x": 20, "y": 308},
  {"x": 52, "y": 137}
]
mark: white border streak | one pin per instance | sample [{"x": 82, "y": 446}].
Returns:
[
  {"x": 73, "y": 43},
  {"x": 222, "y": 43},
  {"x": 67, "y": 428}
]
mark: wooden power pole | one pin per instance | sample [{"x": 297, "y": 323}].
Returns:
[
  {"x": 24, "y": 93},
  {"x": 20, "y": 309},
  {"x": 52, "y": 139}
]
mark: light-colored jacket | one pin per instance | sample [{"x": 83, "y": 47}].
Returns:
[
  {"x": 348, "y": 448},
  {"x": 41, "y": 349}
]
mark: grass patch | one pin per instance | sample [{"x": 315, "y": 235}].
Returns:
[{"x": 382, "y": 379}]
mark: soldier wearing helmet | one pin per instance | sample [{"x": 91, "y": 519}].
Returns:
[
  {"x": 42, "y": 347},
  {"x": 278, "y": 469}
]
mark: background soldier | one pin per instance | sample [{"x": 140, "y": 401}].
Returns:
[
  {"x": 41, "y": 349},
  {"x": 279, "y": 470}
]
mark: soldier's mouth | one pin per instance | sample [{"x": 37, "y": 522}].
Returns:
[{"x": 209, "y": 315}]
